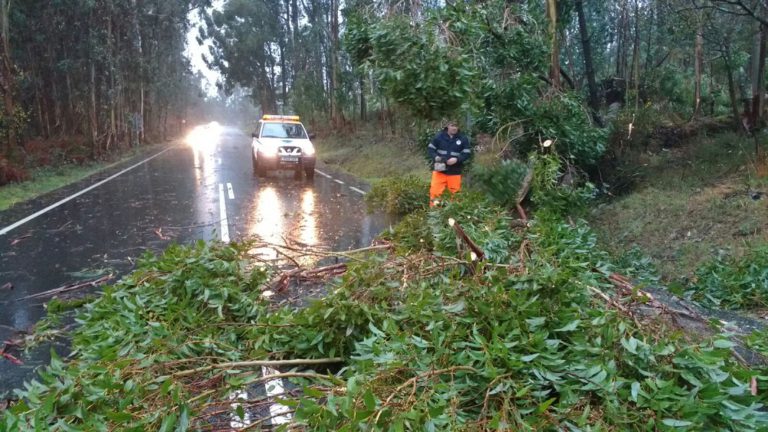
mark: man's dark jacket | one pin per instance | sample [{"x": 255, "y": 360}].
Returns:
[{"x": 446, "y": 147}]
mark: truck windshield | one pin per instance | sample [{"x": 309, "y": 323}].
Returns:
[{"x": 283, "y": 130}]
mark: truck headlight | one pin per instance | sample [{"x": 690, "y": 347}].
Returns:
[{"x": 269, "y": 150}]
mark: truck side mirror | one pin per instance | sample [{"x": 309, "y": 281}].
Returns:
[
  {"x": 254, "y": 135},
  {"x": 312, "y": 136}
]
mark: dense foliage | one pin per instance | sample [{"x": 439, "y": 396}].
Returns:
[
  {"x": 429, "y": 340},
  {"x": 469, "y": 58}
]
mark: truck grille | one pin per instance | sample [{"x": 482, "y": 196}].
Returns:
[{"x": 289, "y": 151}]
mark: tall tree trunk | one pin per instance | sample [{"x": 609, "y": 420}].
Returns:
[
  {"x": 698, "y": 63},
  {"x": 71, "y": 104},
  {"x": 363, "y": 107},
  {"x": 758, "y": 93},
  {"x": 649, "y": 43},
  {"x": 294, "y": 38},
  {"x": 6, "y": 75},
  {"x": 334, "y": 78},
  {"x": 621, "y": 41},
  {"x": 283, "y": 72},
  {"x": 576, "y": 84},
  {"x": 554, "y": 67},
  {"x": 589, "y": 68},
  {"x": 93, "y": 125},
  {"x": 758, "y": 80},
  {"x": 731, "y": 85},
  {"x": 137, "y": 131},
  {"x": 636, "y": 57}
]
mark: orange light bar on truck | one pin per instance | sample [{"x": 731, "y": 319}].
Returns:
[{"x": 280, "y": 117}]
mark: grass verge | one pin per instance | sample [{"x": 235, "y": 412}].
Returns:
[
  {"x": 50, "y": 178},
  {"x": 372, "y": 155}
]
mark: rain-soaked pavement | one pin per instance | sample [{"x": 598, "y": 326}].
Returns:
[{"x": 177, "y": 196}]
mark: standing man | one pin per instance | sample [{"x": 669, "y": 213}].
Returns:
[{"x": 448, "y": 150}]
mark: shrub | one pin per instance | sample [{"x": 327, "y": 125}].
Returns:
[
  {"x": 11, "y": 174},
  {"x": 399, "y": 195}
]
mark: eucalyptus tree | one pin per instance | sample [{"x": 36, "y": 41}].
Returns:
[{"x": 105, "y": 70}]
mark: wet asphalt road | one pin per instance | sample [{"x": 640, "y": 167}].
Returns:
[{"x": 175, "y": 197}]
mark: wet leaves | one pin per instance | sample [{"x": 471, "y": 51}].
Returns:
[{"x": 733, "y": 282}]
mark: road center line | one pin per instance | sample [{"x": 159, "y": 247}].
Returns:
[
  {"x": 338, "y": 181},
  {"x": 360, "y": 191},
  {"x": 223, "y": 215},
  {"x": 274, "y": 387},
  {"x": 322, "y": 173},
  {"x": 71, "y": 197},
  {"x": 230, "y": 191}
]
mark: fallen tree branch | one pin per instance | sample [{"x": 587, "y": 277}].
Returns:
[
  {"x": 9, "y": 357},
  {"x": 263, "y": 420},
  {"x": 308, "y": 375},
  {"x": 67, "y": 288},
  {"x": 18, "y": 240},
  {"x": 268, "y": 363},
  {"x": 281, "y": 282},
  {"x": 414, "y": 380}
]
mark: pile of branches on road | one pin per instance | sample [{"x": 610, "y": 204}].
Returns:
[{"x": 536, "y": 333}]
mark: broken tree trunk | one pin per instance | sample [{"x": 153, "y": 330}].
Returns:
[{"x": 477, "y": 254}]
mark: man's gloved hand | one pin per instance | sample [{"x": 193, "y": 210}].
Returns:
[
  {"x": 438, "y": 159},
  {"x": 452, "y": 161}
]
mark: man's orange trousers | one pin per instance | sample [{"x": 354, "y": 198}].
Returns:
[{"x": 441, "y": 181}]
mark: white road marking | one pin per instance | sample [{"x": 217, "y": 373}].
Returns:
[
  {"x": 223, "y": 215},
  {"x": 230, "y": 191},
  {"x": 338, "y": 181},
  {"x": 322, "y": 173},
  {"x": 278, "y": 412},
  {"x": 71, "y": 197},
  {"x": 236, "y": 421},
  {"x": 360, "y": 191}
]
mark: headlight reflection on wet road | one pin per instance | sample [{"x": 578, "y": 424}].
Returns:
[
  {"x": 268, "y": 225},
  {"x": 280, "y": 217},
  {"x": 308, "y": 224}
]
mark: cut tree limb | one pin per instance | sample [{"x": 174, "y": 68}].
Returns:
[
  {"x": 524, "y": 189},
  {"x": 254, "y": 363},
  {"x": 478, "y": 254},
  {"x": 71, "y": 287}
]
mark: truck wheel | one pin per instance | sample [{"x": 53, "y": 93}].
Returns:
[{"x": 310, "y": 173}]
